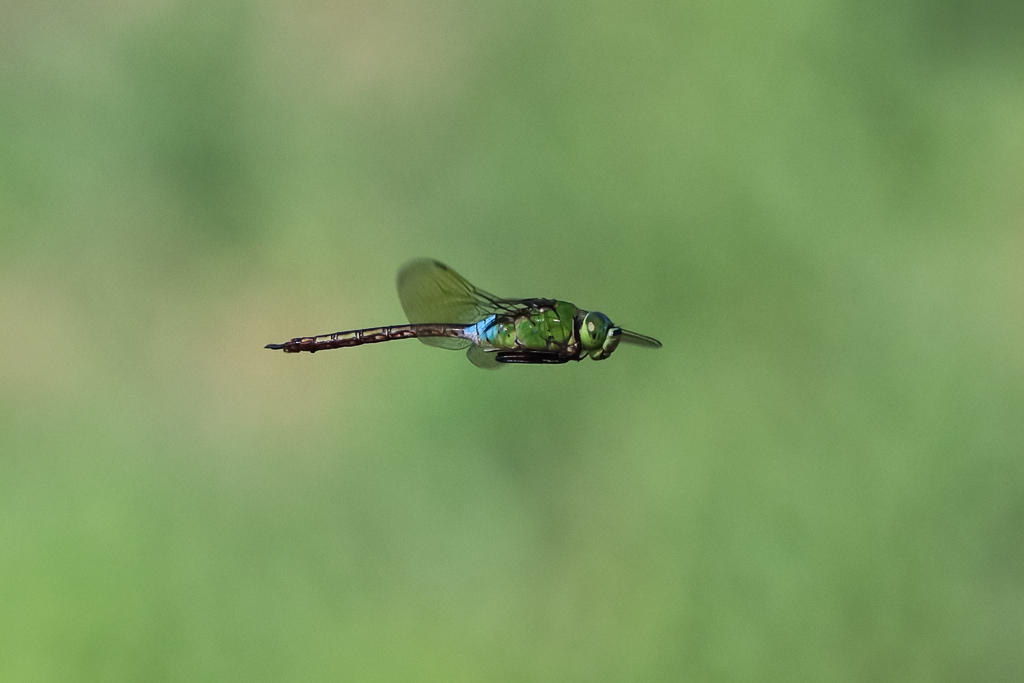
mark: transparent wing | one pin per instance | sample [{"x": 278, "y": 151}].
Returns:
[
  {"x": 482, "y": 359},
  {"x": 640, "y": 340},
  {"x": 431, "y": 292}
]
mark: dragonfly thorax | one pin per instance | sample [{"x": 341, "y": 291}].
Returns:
[{"x": 537, "y": 325}]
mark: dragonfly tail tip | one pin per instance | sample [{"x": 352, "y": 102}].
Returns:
[{"x": 276, "y": 347}]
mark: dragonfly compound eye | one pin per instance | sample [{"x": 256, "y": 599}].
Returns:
[{"x": 594, "y": 330}]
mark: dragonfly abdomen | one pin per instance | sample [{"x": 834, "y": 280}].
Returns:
[{"x": 370, "y": 335}]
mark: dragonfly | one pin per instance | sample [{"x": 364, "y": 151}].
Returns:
[{"x": 446, "y": 311}]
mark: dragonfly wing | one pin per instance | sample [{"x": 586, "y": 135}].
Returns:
[
  {"x": 640, "y": 340},
  {"x": 482, "y": 359},
  {"x": 431, "y": 292}
]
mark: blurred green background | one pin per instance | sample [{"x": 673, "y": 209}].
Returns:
[{"x": 817, "y": 206}]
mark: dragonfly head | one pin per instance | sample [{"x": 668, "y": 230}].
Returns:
[{"x": 598, "y": 336}]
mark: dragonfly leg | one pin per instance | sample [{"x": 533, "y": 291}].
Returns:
[{"x": 530, "y": 357}]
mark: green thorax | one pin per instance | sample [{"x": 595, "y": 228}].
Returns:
[{"x": 539, "y": 325}]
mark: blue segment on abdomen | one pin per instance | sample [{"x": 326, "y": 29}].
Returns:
[{"x": 481, "y": 330}]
